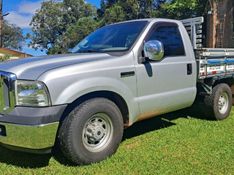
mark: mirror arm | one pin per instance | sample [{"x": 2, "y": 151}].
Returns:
[{"x": 142, "y": 60}]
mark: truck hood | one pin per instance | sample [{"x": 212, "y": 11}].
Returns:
[{"x": 32, "y": 68}]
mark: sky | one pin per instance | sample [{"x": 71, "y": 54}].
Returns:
[{"x": 20, "y": 14}]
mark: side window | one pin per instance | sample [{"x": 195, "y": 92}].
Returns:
[{"x": 169, "y": 35}]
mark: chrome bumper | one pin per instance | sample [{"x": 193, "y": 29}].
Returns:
[{"x": 28, "y": 137}]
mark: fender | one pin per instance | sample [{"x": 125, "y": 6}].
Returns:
[{"x": 84, "y": 86}]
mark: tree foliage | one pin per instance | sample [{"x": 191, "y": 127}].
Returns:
[
  {"x": 51, "y": 23},
  {"x": 131, "y": 9},
  {"x": 113, "y": 14},
  {"x": 73, "y": 34},
  {"x": 59, "y": 25},
  {"x": 12, "y": 36},
  {"x": 179, "y": 9}
]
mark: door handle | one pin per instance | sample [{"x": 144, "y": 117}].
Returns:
[
  {"x": 189, "y": 69},
  {"x": 127, "y": 74}
]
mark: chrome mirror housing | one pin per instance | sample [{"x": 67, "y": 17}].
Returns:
[{"x": 154, "y": 50}]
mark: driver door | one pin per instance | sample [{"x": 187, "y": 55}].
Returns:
[{"x": 166, "y": 85}]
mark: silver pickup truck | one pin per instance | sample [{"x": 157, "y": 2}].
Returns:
[{"x": 119, "y": 74}]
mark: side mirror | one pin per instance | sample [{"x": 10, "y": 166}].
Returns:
[{"x": 154, "y": 50}]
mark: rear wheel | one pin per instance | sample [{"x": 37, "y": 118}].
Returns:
[
  {"x": 219, "y": 103},
  {"x": 91, "y": 132}
]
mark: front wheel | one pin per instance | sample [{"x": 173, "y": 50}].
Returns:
[
  {"x": 219, "y": 103},
  {"x": 91, "y": 132}
]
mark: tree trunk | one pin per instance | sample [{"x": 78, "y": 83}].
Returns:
[{"x": 220, "y": 24}]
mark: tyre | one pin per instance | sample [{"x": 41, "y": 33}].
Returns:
[
  {"x": 91, "y": 132},
  {"x": 219, "y": 103}
]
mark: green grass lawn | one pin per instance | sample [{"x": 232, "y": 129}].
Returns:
[{"x": 174, "y": 143}]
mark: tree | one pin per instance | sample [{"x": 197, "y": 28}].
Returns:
[
  {"x": 74, "y": 34},
  {"x": 52, "y": 21},
  {"x": 47, "y": 25},
  {"x": 180, "y": 9},
  {"x": 59, "y": 25},
  {"x": 12, "y": 36},
  {"x": 130, "y": 9},
  {"x": 76, "y": 9},
  {"x": 134, "y": 9},
  {"x": 113, "y": 14}
]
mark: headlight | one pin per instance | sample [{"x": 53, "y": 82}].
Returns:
[{"x": 31, "y": 93}]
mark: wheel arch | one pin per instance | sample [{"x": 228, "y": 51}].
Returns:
[
  {"x": 112, "y": 96},
  {"x": 228, "y": 81}
]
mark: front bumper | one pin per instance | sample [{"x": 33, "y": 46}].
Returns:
[
  {"x": 37, "y": 137},
  {"x": 30, "y": 128}
]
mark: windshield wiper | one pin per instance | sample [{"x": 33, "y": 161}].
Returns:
[{"x": 89, "y": 51}]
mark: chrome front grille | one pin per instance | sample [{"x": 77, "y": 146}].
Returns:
[{"x": 7, "y": 92}]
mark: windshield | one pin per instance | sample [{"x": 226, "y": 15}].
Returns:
[{"x": 111, "y": 38}]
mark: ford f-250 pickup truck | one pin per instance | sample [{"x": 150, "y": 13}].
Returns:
[{"x": 119, "y": 74}]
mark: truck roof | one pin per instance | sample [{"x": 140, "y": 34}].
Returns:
[{"x": 150, "y": 20}]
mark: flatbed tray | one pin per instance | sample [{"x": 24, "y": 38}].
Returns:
[{"x": 215, "y": 62}]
